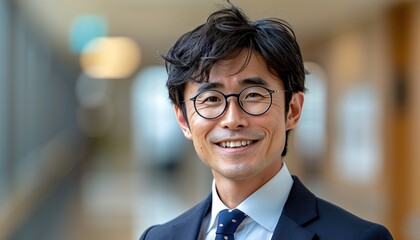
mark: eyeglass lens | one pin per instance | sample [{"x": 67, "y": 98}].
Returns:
[{"x": 252, "y": 100}]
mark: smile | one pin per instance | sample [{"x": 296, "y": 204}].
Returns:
[{"x": 235, "y": 144}]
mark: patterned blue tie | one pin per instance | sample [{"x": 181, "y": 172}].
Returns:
[{"x": 228, "y": 222}]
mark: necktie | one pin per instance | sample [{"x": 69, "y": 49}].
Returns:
[{"x": 228, "y": 222}]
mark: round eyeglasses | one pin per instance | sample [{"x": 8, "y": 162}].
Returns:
[{"x": 254, "y": 100}]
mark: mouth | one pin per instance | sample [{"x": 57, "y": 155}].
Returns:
[{"x": 235, "y": 144}]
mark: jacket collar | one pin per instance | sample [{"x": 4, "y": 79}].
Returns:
[
  {"x": 299, "y": 211},
  {"x": 190, "y": 226}
]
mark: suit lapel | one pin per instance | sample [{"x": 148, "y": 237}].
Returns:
[
  {"x": 287, "y": 229},
  {"x": 299, "y": 211},
  {"x": 190, "y": 227}
]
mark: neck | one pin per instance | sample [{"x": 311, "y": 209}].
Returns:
[{"x": 233, "y": 192}]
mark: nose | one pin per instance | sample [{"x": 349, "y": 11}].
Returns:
[{"x": 234, "y": 117}]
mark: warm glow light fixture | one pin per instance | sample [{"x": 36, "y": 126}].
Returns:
[{"x": 110, "y": 57}]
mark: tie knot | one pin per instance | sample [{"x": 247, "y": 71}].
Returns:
[{"x": 228, "y": 222}]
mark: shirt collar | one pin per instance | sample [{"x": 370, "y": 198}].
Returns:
[{"x": 264, "y": 210}]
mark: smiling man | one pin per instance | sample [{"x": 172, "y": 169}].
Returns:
[{"x": 238, "y": 90}]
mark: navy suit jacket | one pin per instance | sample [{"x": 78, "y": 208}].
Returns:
[{"x": 304, "y": 217}]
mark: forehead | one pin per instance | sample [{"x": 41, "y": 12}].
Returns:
[
  {"x": 236, "y": 73},
  {"x": 243, "y": 65}
]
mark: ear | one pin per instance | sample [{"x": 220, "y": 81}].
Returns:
[
  {"x": 295, "y": 110},
  {"x": 182, "y": 122}
]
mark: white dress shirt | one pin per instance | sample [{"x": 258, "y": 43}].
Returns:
[{"x": 263, "y": 208}]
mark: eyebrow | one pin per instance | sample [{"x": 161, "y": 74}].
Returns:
[
  {"x": 253, "y": 81},
  {"x": 209, "y": 86},
  {"x": 244, "y": 82}
]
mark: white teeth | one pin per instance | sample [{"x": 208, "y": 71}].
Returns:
[{"x": 235, "y": 144}]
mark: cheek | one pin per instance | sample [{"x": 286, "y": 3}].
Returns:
[
  {"x": 275, "y": 143},
  {"x": 200, "y": 129},
  {"x": 199, "y": 148},
  {"x": 274, "y": 126},
  {"x": 275, "y": 129},
  {"x": 278, "y": 110}
]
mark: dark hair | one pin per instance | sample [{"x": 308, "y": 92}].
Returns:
[{"x": 225, "y": 35}]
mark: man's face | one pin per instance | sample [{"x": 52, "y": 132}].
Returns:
[{"x": 236, "y": 145}]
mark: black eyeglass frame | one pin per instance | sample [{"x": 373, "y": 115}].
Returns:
[{"x": 237, "y": 99}]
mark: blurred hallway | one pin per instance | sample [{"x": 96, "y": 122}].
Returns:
[{"x": 89, "y": 148}]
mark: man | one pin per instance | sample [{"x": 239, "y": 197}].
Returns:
[{"x": 237, "y": 88}]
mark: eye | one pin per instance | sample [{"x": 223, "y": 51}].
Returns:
[
  {"x": 254, "y": 95},
  {"x": 209, "y": 98}
]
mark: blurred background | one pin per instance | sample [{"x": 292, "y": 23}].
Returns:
[{"x": 89, "y": 146}]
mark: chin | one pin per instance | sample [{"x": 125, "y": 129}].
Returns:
[{"x": 237, "y": 173}]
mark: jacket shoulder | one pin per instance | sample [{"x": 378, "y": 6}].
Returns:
[
  {"x": 327, "y": 220},
  {"x": 334, "y": 221},
  {"x": 188, "y": 224}
]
